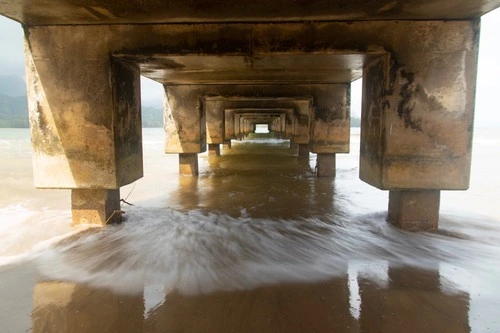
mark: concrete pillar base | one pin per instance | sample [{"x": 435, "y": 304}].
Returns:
[
  {"x": 188, "y": 164},
  {"x": 414, "y": 210},
  {"x": 227, "y": 144},
  {"x": 98, "y": 206},
  {"x": 213, "y": 149},
  {"x": 304, "y": 150},
  {"x": 325, "y": 165}
]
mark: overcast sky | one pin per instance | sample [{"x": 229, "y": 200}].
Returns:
[{"x": 488, "y": 85}]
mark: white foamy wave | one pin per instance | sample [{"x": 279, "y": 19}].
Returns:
[
  {"x": 198, "y": 253},
  {"x": 24, "y": 231}
]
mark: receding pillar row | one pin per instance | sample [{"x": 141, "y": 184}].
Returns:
[
  {"x": 325, "y": 165},
  {"x": 188, "y": 164},
  {"x": 214, "y": 149},
  {"x": 414, "y": 210},
  {"x": 95, "y": 206}
]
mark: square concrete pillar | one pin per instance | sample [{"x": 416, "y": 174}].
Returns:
[
  {"x": 213, "y": 149},
  {"x": 227, "y": 144},
  {"x": 185, "y": 121},
  {"x": 414, "y": 210},
  {"x": 303, "y": 150},
  {"x": 330, "y": 125},
  {"x": 188, "y": 164},
  {"x": 84, "y": 109},
  {"x": 215, "y": 120},
  {"x": 325, "y": 165},
  {"x": 417, "y": 117},
  {"x": 90, "y": 206}
]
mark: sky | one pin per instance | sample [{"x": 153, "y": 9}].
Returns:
[{"x": 487, "y": 112}]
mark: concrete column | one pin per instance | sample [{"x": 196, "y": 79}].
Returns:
[
  {"x": 185, "y": 121},
  {"x": 99, "y": 206},
  {"x": 330, "y": 124},
  {"x": 414, "y": 210},
  {"x": 227, "y": 144},
  {"x": 304, "y": 150},
  {"x": 417, "y": 119},
  {"x": 215, "y": 121},
  {"x": 188, "y": 164},
  {"x": 85, "y": 118},
  {"x": 325, "y": 165},
  {"x": 213, "y": 149}
]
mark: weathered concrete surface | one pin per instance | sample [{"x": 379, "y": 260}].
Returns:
[
  {"x": 95, "y": 206},
  {"x": 414, "y": 210},
  {"x": 417, "y": 115},
  {"x": 185, "y": 122},
  {"x": 188, "y": 164},
  {"x": 213, "y": 149},
  {"x": 325, "y": 165},
  {"x": 84, "y": 112},
  {"x": 68, "y": 12}
]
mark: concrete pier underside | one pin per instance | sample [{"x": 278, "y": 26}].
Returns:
[{"x": 227, "y": 66}]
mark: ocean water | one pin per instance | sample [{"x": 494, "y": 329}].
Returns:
[{"x": 256, "y": 243}]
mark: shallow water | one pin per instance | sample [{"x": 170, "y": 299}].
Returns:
[{"x": 256, "y": 243}]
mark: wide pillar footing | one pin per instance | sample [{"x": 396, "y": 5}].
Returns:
[
  {"x": 188, "y": 164},
  {"x": 414, "y": 210},
  {"x": 213, "y": 149},
  {"x": 303, "y": 149},
  {"x": 95, "y": 206},
  {"x": 325, "y": 165}
]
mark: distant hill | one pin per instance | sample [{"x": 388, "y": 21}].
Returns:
[
  {"x": 12, "y": 85},
  {"x": 152, "y": 117},
  {"x": 13, "y": 111}
]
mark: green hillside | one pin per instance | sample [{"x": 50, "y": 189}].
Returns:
[{"x": 13, "y": 111}]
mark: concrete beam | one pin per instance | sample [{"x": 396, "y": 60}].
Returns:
[{"x": 63, "y": 12}]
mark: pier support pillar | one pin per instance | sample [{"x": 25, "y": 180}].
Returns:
[
  {"x": 417, "y": 119},
  {"x": 227, "y": 144},
  {"x": 188, "y": 164},
  {"x": 303, "y": 150},
  {"x": 85, "y": 119},
  {"x": 97, "y": 206},
  {"x": 414, "y": 210},
  {"x": 325, "y": 165},
  {"x": 185, "y": 121},
  {"x": 213, "y": 149}
]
